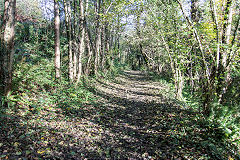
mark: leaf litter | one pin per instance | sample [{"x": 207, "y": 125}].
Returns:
[{"x": 131, "y": 118}]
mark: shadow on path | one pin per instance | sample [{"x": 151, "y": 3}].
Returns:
[
  {"x": 131, "y": 118},
  {"x": 144, "y": 124}
]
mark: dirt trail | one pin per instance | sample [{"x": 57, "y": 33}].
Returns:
[
  {"x": 134, "y": 86},
  {"x": 139, "y": 121},
  {"x": 132, "y": 117}
]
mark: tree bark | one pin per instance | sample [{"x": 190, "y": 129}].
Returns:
[
  {"x": 195, "y": 16},
  {"x": 67, "y": 9},
  {"x": 139, "y": 36},
  {"x": 74, "y": 39},
  {"x": 82, "y": 42},
  {"x": 224, "y": 70},
  {"x": 90, "y": 53},
  {"x": 89, "y": 43},
  {"x": 7, "y": 47},
  {"x": 57, "y": 40},
  {"x": 98, "y": 35},
  {"x": 195, "y": 13}
]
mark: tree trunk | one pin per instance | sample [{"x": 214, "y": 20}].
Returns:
[
  {"x": 67, "y": 9},
  {"x": 88, "y": 65},
  {"x": 140, "y": 37},
  {"x": 195, "y": 14},
  {"x": 57, "y": 40},
  {"x": 103, "y": 29},
  {"x": 107, "y": 39},
  {"x": 82, "y": 45},
  {"x": 105, "y": 43},
  {"x": 224, "y": 70},
  {"x": 7, "y": 47},
  {"x": 179, "y": 82},
  {"x": 98, "y": 36},
  {"x": 74, "y": 39},
  {"x": 89, "y": 43}
]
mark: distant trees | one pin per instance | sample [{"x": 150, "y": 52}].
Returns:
[
  {"x": 217, "y": 58},
  {"x": 29, "y": 10},
  {"x": 89, "y": 35},
  {"x": 198, "y": 48},
  {"x": 90, "y": 32},
  {"x": 7, "y": 33}
]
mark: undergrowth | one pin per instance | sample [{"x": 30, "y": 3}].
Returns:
[
  {"x": 34, "y": 88},
  {"x": 222, "y": 127}
]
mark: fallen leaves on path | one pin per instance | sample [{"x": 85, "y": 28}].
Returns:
[{"x": 132, "y": 118}]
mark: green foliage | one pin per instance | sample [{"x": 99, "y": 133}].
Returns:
[
  {"x": 232, "y": 96},
  {"x": 29, "y": 9},
  {"x": 223, "y": 124},
  {"x": 168, "y": 42},
  {"x": 167, "y": 83},
  {"x": 228, "y": 119},
  {"x": 1, "y": 6},
  {"x": 113, "y": 69},
  {"x": 35, "y": 85}
]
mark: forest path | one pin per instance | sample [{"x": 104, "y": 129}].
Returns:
[
  {"x": 130, "y": 117},
  {"x": 140, "y": 120}
]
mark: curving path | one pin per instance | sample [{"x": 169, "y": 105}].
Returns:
[
  {"x": 131, "y": 117},
  {"x": 139, "y": 121}
]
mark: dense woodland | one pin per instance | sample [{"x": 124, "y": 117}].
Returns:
[{"x": 141, "y": 79}]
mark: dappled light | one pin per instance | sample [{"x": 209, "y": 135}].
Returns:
[
  {"x": 123, "y": 122},
  {"x": 122, "y": 79}
]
